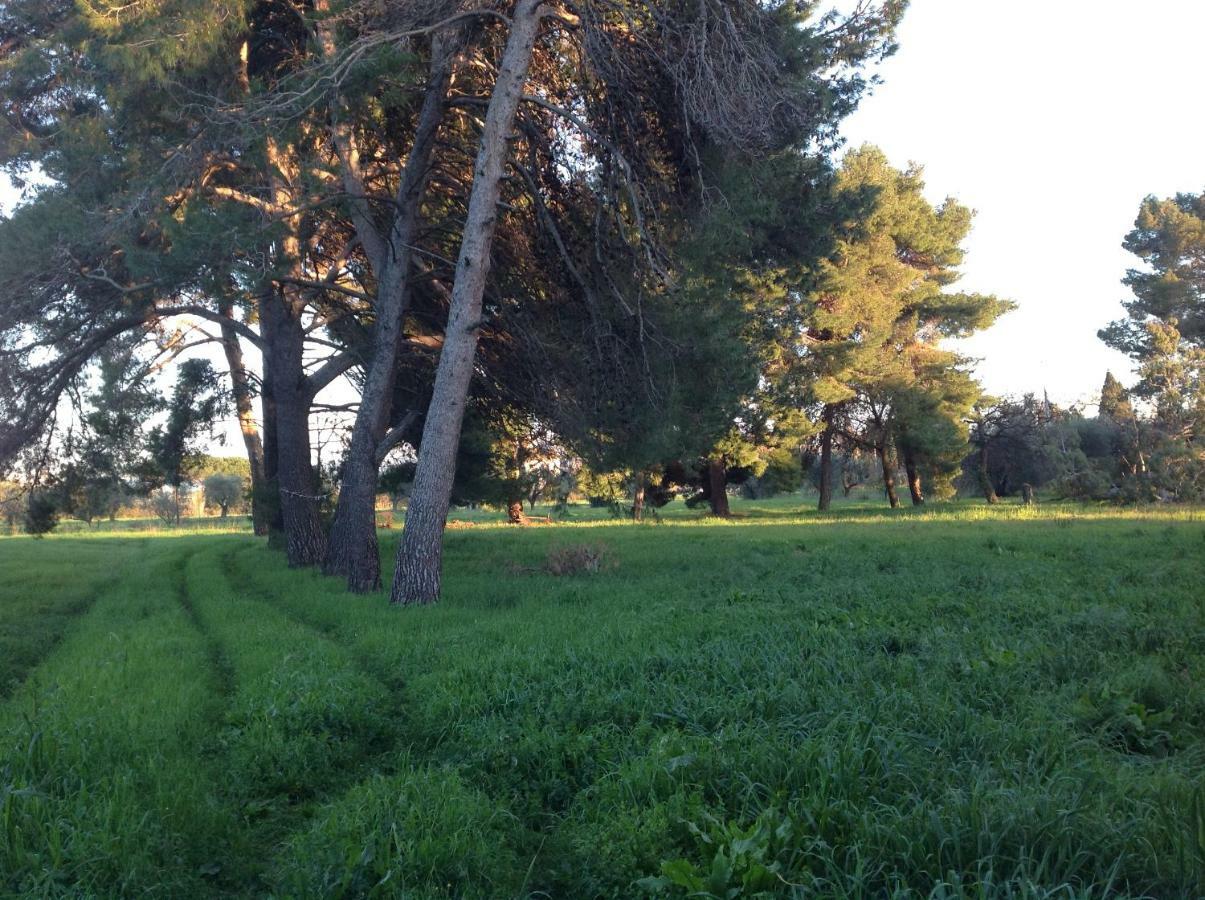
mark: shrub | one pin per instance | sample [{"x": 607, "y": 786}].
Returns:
[
  {"x": 421, "y": 833},
  {"x": 41, "y": 514},
  {"x": 577, "y": 559}
]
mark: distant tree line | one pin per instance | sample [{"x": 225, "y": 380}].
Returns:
[{"x": 1145, "y": 442}]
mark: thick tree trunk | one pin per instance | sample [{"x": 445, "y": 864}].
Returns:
[
  {"x": 826, "y": 458},
  {"x": 638, "y": 500},
  {"x": 914, "y": 483},
  {"x": 717, "y": 486},
  {"x": 305, "y": 541},
  {"x": 419, "y": 560},
  {"x": 985, "y": 481},
  {"x": 269, "y": 495},
  {"x": 241, "y": 389},
  {"x": 353, "y": 551},
  {"x": 888, "y": 465}
]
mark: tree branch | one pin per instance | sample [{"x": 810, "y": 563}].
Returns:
[{"x": 394, "y": 436}]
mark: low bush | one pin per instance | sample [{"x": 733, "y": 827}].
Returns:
[{"x": 421, "y": 833}]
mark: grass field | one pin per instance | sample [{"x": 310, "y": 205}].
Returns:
[{"x": 966, "y": 702}]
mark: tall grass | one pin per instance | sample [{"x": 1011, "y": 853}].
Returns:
[
  {"x": 43, "y": 588},
  {"x": 100, "y": 791},
  {"x": 961, "y": 703}
]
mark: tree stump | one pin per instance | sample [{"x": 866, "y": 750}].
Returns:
[{"x": 1027, "y": 495}]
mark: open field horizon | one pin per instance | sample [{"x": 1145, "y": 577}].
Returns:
[{"x": 864, "y": 505}]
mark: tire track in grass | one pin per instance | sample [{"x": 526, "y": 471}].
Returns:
[
  {"x": 393, "y": 707},
  {"x": 32, "y": 624},
  {"x": 396, "y": 708},
  {"x": 302, "y": 719},
  {"x": 223, "y": 672},
  {"x": 401, "y": 817},
  {"x": 101, "y": 791},
  {"x": 390, "y": 679}
]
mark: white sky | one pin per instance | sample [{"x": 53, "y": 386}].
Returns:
[{"x": 1052, "y": 119}]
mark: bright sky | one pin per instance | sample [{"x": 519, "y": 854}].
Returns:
[{"x": 1052, "y": 119}]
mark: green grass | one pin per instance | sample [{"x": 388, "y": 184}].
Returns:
[
  {"x": 960, "y": 702},
  {"x": 43, "y": 587}
]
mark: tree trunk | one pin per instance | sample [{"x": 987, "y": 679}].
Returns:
[
  {"x": 985, "y": 481},
  {"x": 888, "y": 465},
  {"x": 717, "y": 485},
  {"x": 514, "y": 512},
  {"x": 914, "y": 484},
  {"x": 353, "y": 551},
  {"x": 305, "y": 541},
  {"x": 269, "y": 494},
  {"x": 241, "y": 388},
  {"x": 826, "y": 459},
  {"x": 638, "y": 500},
  {"x": 419, "y": 559}
]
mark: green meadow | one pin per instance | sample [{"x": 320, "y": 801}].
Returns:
[{"x": 962, "y": 702}]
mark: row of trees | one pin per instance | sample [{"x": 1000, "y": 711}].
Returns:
[
  {"x": 608, "y": 226},
  {"x": 453, "y": 204}
]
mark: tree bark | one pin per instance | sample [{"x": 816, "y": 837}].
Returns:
[
  {"x": 269, "y": 496},
  {"x": 514, "y": 512},
  {"x": 717, "y": 485},
  {"x": 419, "y": 559},
  {"x": 888, "y": 465},
  {"x": 914, "y": 482},
  {"x": 241, "y": 388},
  {"x": 638, "y": 500},
  {"x": 353, "y": 550},
  {"x": 985, "y": 481},
  {"x": 826, "y": 458},
  {"x": 284, "y": 339}
]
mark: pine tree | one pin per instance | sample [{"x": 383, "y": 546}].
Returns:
[
  {"x": 1164, "y": 333},
  {"x": 879, "y": 306}
]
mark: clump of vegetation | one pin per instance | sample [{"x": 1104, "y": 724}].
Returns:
[
  {"x": 737, "y": 861},
  {"x": 420, "y": 833},
  {"x": 578, "y": 559},
  {"x": 41, "y": 513},
  {"x": 1134, "y": 714}
]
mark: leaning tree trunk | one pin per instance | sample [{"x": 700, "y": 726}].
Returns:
[
  {"x": 914, "y": 483},
  {"x": 241, "y": 389},
  {"x": 985, "y": 481},
  {"x": 353, "y": 551},
  {"x": 826, "y": 458},
  {"x": 717, "y": 487},
  {"x": 888, "y": 465},
  {"x": 305, "y": 541},
  {"x": 419, "y": 559}
]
